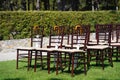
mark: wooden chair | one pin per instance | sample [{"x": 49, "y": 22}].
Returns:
[
  {"x": 37, "y": 42},
  {"x": 116, "y": 42},
  {"x": 79, "y": 38},
  {"x": 66, "y": 41},
  {"x": 56, "y": 41},
  {"x": 100, "y": 48},
  {"x": 29, "y": 52}
]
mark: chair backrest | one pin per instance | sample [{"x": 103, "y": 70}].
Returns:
[
  {"x": 80, "y": 35},
  {"x": 117, "y": 29},
  {"x": 37, "y": 36},
  {"x": 103, "y": 32},
  {"x": 56, "y": 36},
  {"x": 113, "y": 33},
  {"x": 67, "y": 33}
]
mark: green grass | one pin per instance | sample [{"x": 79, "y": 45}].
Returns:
[{"x": 8, "y": 71}]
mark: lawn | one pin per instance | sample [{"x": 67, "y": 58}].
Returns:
[{"x": 8, "y": 71}]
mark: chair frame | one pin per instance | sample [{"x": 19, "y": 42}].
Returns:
[
  {"x": 30, "y": 51},
  {"x": 101, "y": 50},
  {"x": 116, "y": 45}
]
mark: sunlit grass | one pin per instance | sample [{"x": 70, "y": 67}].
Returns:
[{"x": 8, "y": 71}]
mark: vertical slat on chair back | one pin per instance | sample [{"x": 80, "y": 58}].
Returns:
[
  {"x": 67, "y": 32},
  {"x": 113, "y": 33},
  {"x": 56, "y": 36},
  {"x": 80, "y": 35},
  {"x": 117, "y": 28},
  {"x": 103, "y": 32},
  {"x": 37, "y": 33}
]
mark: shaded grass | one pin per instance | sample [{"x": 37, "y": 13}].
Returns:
[{"x": 8, "y": 71}]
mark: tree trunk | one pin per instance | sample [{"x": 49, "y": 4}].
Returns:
[
  {"x": 23, "y": 5},
  {"x": 28, "y": 5},
  {"x": 75, "y": 5},
  {"x": 11, "y": 5},
  {"x": 53, "y": 6},
  {"x": 116, "y": 2},
  {"x": 33, "y": 5},
  {"x": 96, "y": 5},
  {"x": 46, "y": 5},
  {"x": 92, "y": 5},
  {"x": 38, "y": 5}
]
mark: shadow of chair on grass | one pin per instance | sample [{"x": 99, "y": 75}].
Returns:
[
  {"x": 14, "y": 79},
  {"x": 54, "y": 79}
]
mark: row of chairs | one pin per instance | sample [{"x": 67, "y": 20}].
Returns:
[{"x": 102, "y": 47}]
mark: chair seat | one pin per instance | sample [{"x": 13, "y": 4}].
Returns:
[
  {"x": 74, "y": 46},
  {"x": 100, "y": 47},
  {"x": 94, "y": 40},
  {"x": 115, "y": 44},
  {"x": 26, "y": 48},
  {"x": 69, "y": 50},
  {"x": 94, "y": 43},
  {"x": 44, "y": 49},
  {"x": 59, "y": 50}
]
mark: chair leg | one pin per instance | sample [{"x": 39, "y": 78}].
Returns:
[
  {"x": 97, "y": 57},
  {"x": 88, "y": 58},
  {"x": 70, "y": 57},
  {"x": 61, "y": 62},
  {"x": 117, "y": 54},
  {"x": 102, "y": 58},
  {"x": 28, "y": 60},
  {"x": 48, "y": 62},
  {"x": 72, "y": 71},
  {"x": 110, "y": 57},
  {"x": 35, "y": 61},
  {"x": 57, "y": 63},
  {"x": 17, "y": 59},
  {"x": 65, "y": 58},
  {"x": 41, "y": 58},
  {"x": 84, "y": 64}
]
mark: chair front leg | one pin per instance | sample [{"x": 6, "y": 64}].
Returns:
[
  {"x": 102, "y": 58},
  {"x": 48, "y": 62},
  {"x": 17, "y": 58},
  {"x": 35, "y": 61},
  {"x": 29, "y": 56},
  {"x": 88, "y": 58}
]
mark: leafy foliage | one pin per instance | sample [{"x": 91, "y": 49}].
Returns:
[{"x": 21, "y": 21}]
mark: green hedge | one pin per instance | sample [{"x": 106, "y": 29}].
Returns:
[{"x": 22, "y": 21}]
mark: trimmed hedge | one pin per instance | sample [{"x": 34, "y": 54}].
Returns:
[{"x": 21, "y": 21}]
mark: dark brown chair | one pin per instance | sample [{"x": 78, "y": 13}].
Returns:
[
  {"x": 56, "y": 41},
  {"x": 101, "y": 47},
  {"x": 29, "y": 52},
  {"x": 115, "y": 43},
  {"x": 79, "y": 38},
  {"x": 37, "y": 42},
  {"x": 66, "y": 41}
]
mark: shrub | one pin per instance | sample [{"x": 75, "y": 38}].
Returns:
[{"x": 21, "y": 21}]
